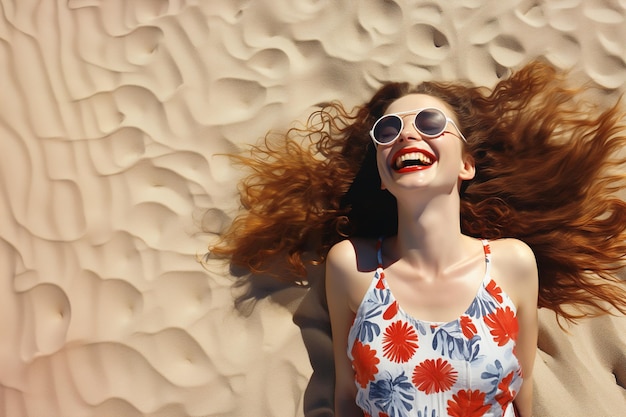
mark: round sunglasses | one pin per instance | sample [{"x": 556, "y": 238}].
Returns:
[{"x": 430, "y": 122}]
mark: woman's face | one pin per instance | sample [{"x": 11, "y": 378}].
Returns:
[{"x": 416, "y": 161}]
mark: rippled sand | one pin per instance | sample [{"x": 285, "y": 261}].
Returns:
[{"x": 113, "y": 116}]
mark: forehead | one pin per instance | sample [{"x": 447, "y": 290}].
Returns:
[{"x": 417, "y": 101}]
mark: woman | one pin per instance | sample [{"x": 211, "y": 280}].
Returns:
[
  {"x": 432, "y": 295},
  {"x": 424, "y": 339}
]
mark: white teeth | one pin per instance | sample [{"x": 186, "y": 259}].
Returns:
[{"x": 413, "y": 156}]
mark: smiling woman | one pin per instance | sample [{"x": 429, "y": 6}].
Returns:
[{"x": 438, "y": 250}]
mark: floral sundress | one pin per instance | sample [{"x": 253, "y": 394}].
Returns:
[{"x": 405, "y": 367}]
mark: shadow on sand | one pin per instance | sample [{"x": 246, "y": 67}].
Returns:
[{"x": 310, "y": 314}]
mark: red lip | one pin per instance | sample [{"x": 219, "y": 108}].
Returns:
[{"x": 412, "y": 168}]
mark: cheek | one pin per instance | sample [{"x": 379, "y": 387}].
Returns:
[
  {"x": 381, "y": 164},
  {"x": 381, "y": 160}
]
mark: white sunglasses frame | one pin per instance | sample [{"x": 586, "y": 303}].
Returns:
[{"x": 416, "y": 111}]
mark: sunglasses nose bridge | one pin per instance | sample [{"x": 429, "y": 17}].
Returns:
[{"x": 409, "y": 128}]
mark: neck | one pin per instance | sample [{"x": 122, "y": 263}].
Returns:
[{"x": 429, "y": 235}]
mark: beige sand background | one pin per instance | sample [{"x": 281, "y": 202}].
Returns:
[{"x": 112, "y": 116}]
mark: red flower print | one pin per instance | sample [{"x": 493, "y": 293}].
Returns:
[
  {"x": 468, "y": 403},
  {"x": 399, "y": 342},
  {"x": 506, "y": 396},
  {"x": 381, "y": 414},
  {"x": 495, "y": 291},
  {"x": 503, "y": 325},
  {"x": 469, "y": 330},
  {"x": 364, "y": 363},
  {"x": 434, "y": 376}
]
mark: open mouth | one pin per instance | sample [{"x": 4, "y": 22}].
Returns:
[{"x": 412, "y": 160}]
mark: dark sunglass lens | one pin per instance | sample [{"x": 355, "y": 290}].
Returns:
[
  {"x": 431, "y": 122},
  {"x": 387, "y": 129}
]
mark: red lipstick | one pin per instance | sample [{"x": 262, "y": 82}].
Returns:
[{"x": 412, "y": 159}]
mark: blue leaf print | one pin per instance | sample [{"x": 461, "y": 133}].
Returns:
[
  {"x": 451, "y": 343},
  {"x": 495, "y": 373},
  {"x": 368, "y": 329},
  {"x": 373, "y": 307},
  {"x": 420, "y": 326},
  {"x": 393, "y": 395},
  {"x": 425, "y": 413},
  {"x": 383, "y": 296},
  {"x": 482, "y": 305},
  {"x": 474, "y": 349}
]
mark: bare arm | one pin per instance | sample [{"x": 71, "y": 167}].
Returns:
[
  {"x": 340, "y": 264},
  {"x": 527, "y": 346},
  {"x": 517, "y": 263}
]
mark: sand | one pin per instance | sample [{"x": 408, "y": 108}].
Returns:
[{"x": 113, "y": 116}]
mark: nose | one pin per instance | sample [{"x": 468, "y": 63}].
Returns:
[{"x": 409, "y": 132}]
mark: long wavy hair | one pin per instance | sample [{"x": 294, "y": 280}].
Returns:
[{"x": 549, "y": 172}]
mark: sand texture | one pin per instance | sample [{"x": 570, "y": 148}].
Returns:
[{"x": 113, "y": 116}]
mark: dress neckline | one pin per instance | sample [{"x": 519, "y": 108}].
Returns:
[{"x": 381, "y": 280}]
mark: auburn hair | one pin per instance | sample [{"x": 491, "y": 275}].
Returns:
[{"x": 548, "y": 172}]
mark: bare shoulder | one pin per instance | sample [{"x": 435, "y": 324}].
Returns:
[
  {"x": 348, "y": 271},
  {"x": 514, "y": 267},
  {"x": 514, "y": 257},
  {"x": 339, "y": 251},
  {"x": 353, "y": 255}
]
